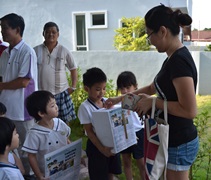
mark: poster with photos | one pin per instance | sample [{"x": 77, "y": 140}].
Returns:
[
  {"x": 114, "y": 128},
  {"x": 64, "y": 163}
]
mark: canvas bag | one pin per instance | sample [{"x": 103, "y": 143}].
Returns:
[{"x": 156, "y": 145}]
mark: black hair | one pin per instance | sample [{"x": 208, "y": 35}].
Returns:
[
  {"x": 50, "y": 24},
  {"x": 14, "y": 21},
  {"x": 3, "y": 109},
  {"x": 126, "y": 78},
  {"x": 6, "y": 133},
  {"x": 92, "y": 76},
  {"x": 165, "y": 16},
  {"x": 37, "y": 102}
]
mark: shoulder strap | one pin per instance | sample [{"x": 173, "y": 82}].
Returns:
[{"x": 164, "y": 109}]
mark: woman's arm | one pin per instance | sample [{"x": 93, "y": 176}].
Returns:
[
  {"x": 150, "y": 90},
  {"x": 185, "y": 107}
]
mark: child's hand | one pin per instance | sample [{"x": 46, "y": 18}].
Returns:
[
  {"x": 112, "y": 101},
  {"x": 106, "y": 151}
]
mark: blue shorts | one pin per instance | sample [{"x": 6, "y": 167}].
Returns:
[
  {"x": 180, "y": 158},
  {"x": 138, "y": 149},
  {"x": 66, "y": 106}
]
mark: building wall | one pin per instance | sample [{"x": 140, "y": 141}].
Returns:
[
  {"x": 145, "y": 65},
  {"x": 36, "y": 13}
]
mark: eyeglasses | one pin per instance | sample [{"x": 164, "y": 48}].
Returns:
[{"x": 148, "y": 40}]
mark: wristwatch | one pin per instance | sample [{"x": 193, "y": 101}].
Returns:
[{"x": 73, "y": 88}]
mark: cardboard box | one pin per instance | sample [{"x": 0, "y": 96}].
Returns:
[{"x": 114, "y": 128}]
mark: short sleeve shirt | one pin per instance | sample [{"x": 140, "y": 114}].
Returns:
[
  {"x": 21, "y": 61},
  {"x": 52, "y": 68},
  {"x": 10, "y": 172},
  {"x": 41, "y": 140},
  {"x": 85, "y": 112},
  {"x": 180, "y": 64}
]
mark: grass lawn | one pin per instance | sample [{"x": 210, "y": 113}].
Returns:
[{"x": 203, "y": 104}]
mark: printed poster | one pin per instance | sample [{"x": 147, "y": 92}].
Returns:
[{"x": 64, "y": 163}]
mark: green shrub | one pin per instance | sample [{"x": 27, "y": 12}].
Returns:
[
  {"x": 208, "y": 47},
  {"x": 202, "y": 164},
  {"x": 132, "y": 36}
]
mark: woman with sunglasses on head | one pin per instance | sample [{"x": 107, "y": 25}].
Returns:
[{"x": 176, "y": 83}]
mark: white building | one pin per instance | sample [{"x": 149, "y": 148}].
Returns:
[{"x": 84, "y": 24}]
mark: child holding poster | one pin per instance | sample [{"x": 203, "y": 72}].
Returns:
[
  {"x": 102, "y": 163},
  {"x": 48, "y": 134}
]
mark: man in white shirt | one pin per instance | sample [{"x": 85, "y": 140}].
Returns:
[
  {"x": 18, "y": 68},
  {"x": 53, "y": 59}
]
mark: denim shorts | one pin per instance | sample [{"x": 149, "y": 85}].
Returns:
[{"x": 180, "y": 158}]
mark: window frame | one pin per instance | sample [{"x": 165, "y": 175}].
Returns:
[{"x": 90, "y": 17}]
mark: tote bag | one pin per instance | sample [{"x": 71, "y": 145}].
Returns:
[{"x": 156, "y": 145}]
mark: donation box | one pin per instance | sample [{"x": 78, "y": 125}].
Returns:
[{"x": 114, "y": 128}]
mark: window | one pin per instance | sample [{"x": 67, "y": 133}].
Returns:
[
  {"x": 98, "y": 19},
  {"x": 81, "y": 33},
  {"x": 82, "y": 23}
]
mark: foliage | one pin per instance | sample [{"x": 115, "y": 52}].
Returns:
[
  {"x": 132, "y": 36},
  {"x": 204, "y": 154},
  {"x": 207, "y": 29},
  {"x": 208, "y": 47}
]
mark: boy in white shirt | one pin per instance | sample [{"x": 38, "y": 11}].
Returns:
[
  {"x": 102, "y": 163},
  {"x": 48, "y": 134}
]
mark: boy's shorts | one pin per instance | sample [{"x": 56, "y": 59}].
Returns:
[
  {"x": 137, "y": 149},
  {"x": 99, "y": 165},
  {"x": 182, "y": 157}
]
